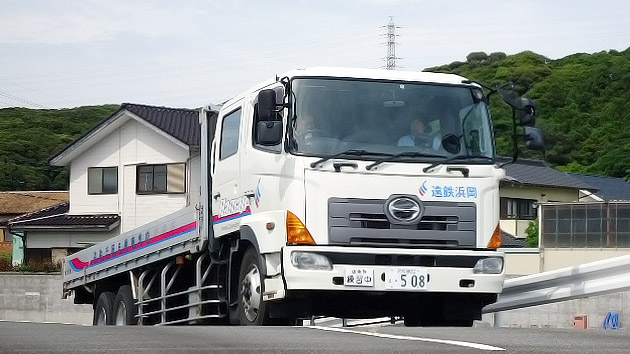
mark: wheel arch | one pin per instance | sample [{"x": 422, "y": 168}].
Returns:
[{"x": 242, "y": 240}]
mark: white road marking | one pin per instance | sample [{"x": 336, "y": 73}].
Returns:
[{"x": 419, "y": 339}]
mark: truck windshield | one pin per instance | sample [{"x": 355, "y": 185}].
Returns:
[{"x": 417, "y": 121}]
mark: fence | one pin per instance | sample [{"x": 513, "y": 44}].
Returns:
[
  {"x": 6, "y": 247},
  {"x": 586, "y": 225}
]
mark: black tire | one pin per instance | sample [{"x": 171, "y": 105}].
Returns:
[
  {"x": 412, "y": 321},
  {"x": 436, "y": 321},
  {"x": 104, "y": 309},
  {"x": 251, "y": 309},
  {"x": 124, "y": 308}
]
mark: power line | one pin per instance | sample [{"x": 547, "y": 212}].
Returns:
[{"x": 15, "y": 98}]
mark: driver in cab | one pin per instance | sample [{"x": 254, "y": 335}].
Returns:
[
  {"x": 420, "y": 136},
  {"x": 305, "y": 129}
]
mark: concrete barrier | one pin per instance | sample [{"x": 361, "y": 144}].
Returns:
[{"x": 36, "y": 297}]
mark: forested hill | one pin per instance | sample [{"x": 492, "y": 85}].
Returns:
[
  {"x": 583, "y": 105},
  {"x": 29, "y": 137}
]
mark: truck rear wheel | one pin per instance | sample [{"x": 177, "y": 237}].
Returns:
[
  {"x": 104, "y": 309},
  {"x": 251, "y": 309},
  {"x": 124, "y": 307}
]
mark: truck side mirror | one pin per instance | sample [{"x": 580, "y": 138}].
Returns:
[
  {"x": 525, "y": 108},
  {"x": 269, "y": 133},
  {"x": 534, "y": 138},
  {"x": 527, "y": 113},
  {"x": 267, "y": 105},
  {"x": 450, "y": 143},
  {"x": 268, "y": 125}
]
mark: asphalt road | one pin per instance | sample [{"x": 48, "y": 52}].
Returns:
[{"x": 67, "y": 339}]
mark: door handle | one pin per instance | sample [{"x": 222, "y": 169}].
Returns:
[{"x": 217, "y": 196}]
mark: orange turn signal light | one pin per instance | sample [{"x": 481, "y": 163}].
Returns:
[
  {"x": 297, "y": 233},
  {"x": 496, "y": 241}
]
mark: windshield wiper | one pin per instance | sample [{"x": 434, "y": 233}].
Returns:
[
  {"x": 351, "y": 152},
  {"x": 455, "y": 158},
  {"x": 402, "y": 154}
]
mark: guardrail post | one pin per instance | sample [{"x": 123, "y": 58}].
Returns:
[{"x": 499, "y": 319}]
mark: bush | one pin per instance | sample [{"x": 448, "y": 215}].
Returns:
[
  {"x": 6, "y": 262},
  {"x": 6, "y": 265},
  {"x": 39, "y": 267},
  {"x": 532, "y": 234}
]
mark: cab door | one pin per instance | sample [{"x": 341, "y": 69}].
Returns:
[{"x": 227, "y": 199}]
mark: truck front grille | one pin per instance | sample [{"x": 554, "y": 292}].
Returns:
[{"x": 364, "y": 222}]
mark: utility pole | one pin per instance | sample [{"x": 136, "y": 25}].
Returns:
[{"x": 391, "y": 45}]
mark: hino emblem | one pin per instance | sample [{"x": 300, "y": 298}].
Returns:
[{"x": 403, "y": 210}]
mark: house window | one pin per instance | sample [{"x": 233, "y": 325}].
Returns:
[
  {"x": 513, "y": 208},
  {"x": 229, "y": 134},
  {"x": 161, "y": 179},
  {"x": 102, "y": 180}
]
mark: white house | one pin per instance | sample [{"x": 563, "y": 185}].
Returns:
[{"x": 136, "y": 166}]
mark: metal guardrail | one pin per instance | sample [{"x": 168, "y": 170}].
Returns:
[{"x": 589, "y": 279}]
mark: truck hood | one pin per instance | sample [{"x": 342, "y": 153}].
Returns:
[{"x": 353, "y": 208}]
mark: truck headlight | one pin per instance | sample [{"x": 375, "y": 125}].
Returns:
[
  {"x": 310, "y": 260},
  {"x": 491, "y": 265}
]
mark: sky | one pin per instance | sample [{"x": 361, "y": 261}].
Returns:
[{"x": 69, "y": 53}]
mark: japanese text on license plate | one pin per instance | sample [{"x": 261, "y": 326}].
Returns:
[
  {"x": 406, "y": 278},
  {"x": 356, "y": 276}
]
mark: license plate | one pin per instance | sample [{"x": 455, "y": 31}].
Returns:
[
  {"x": 406, "y": 278},
  {"x": 358, "y": 276}
]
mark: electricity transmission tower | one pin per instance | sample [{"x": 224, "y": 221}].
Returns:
[{"x": 391, "y": 45}]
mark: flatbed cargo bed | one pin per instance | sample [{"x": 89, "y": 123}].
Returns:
[{"x": 172, "y": 235}]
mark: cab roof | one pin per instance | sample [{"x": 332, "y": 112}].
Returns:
[{"x": 360, "y": 73}]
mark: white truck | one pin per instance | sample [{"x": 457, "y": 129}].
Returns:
[{"x": 342, "y": 192}]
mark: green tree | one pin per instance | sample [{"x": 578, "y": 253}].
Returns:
[
  {"x": 532, "y": 234},
  {"x": 29, "y": 137}
]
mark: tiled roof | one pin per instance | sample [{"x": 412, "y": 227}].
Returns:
[
  {"x": 609, "y": 188},
  {"x": 537, "y": 173},
  {"x": 57, "y": 217},
  {"x": 181, "y": 123},
  {"x": 16, "y": 203},
  {"x": 510, "y": 241}
]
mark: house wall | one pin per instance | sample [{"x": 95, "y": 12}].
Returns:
[
  {"x": 65, "y": 239},
  {"x": 560, "y": 258},
  {"x": 132, "y": 144},
  {"x": 541, "y": 194},
  {"x": 526, "y": 261},
  {"x": 522, "y": 261}
]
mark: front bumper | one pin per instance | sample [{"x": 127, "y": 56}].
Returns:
[{"x": 447, "y": 270}]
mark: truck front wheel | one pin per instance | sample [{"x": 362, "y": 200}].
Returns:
[
  {"x": 104, "y": 309},
  {"x": 251, "y": 308}
]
